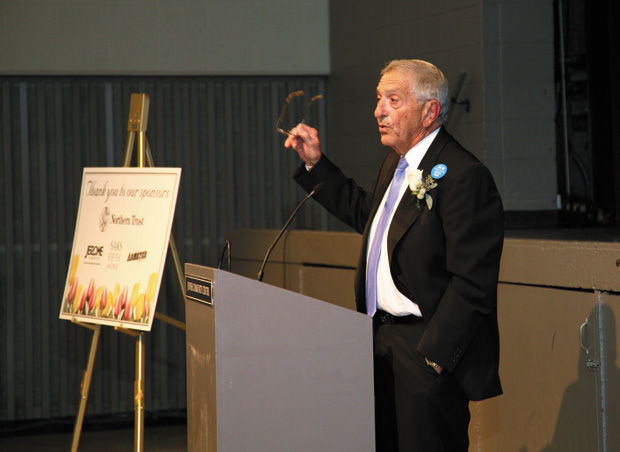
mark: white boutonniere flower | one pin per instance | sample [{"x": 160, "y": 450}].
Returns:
[{"x": 420, "y": 187}]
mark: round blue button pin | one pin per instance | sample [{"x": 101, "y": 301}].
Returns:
[{"x": 439, "y": 171}]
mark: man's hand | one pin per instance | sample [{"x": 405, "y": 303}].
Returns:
[
  {"x": 305, "y": 140},
  {"x": 435, "y": 366}
]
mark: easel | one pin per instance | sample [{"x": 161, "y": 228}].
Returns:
[{"x": 138, "y": 119}]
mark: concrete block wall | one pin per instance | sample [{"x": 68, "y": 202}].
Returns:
[{"x": 505, "y": 48}]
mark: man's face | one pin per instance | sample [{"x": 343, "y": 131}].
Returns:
[{"x": 399, "y": 115}]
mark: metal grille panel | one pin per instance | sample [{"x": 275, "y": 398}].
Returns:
[{"x": 236, "y": 173}]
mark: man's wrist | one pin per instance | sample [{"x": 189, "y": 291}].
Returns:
[{"x": 311, "y": 164}]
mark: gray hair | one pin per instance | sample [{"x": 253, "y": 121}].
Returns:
[{"x": 427, "y": 82}]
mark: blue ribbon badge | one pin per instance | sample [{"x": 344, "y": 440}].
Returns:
[{"x": 439, "y": 171}]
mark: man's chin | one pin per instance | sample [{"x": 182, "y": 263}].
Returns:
[{"x": 385, "y": 140}]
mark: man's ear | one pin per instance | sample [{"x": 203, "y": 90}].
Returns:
[{"x": 433, "y": 108}]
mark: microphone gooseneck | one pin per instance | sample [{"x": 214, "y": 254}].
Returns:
[
  {"x": 317, "y": 188},
  {"x": 224, "y": 251}
]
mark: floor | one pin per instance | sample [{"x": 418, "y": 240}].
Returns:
[{"x": 168, "y": 435}]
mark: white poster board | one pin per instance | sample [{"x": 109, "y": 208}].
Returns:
[{"x": 119, "y": 248}]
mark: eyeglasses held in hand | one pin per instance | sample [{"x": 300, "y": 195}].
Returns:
[{"x": 285, "y": 108}]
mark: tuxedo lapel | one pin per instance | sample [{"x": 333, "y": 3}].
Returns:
[
  {"x": 430, "y": 158},
  {"x": 407, "y": 212}
]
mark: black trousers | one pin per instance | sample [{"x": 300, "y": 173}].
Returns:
[{"x": 416, "y": 409}]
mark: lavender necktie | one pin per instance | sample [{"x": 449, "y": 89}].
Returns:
[{"x": 375, "y": 248}]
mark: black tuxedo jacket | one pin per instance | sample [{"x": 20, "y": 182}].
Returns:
[{"x": 445, "y": 259}]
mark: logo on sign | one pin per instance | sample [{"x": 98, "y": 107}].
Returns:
[
  {"x": 94, "y": 251},
  {"x": 136, "y": 256},
  {"x": 104, "y": 219}
]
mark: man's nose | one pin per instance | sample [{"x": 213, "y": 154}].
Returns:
[{"x": 380, "y": 109}]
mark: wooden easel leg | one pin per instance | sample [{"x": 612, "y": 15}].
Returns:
[
  {"x": 88, "y": 373},
  {"x": 131, "y": 137},
  {"x": 139, "y": 395},
  {"x": 141, "y": 148}
]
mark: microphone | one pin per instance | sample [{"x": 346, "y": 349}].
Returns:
[{"x": 317, "y": 188}]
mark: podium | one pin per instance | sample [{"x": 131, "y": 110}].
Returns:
[{"x": 272, "y": 370}]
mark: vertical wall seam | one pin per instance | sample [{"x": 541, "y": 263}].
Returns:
[
  {"x": 27, "y": 271},
  {"x": 602, "y": 371},
  {"x": 44, "y": 250},
  {"x": 9, "y": 249}
]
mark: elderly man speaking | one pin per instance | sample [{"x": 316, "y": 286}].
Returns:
[{"x": 432, "y": 224}]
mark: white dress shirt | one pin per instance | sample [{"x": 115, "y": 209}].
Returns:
[{"x": 389, "y": 299}]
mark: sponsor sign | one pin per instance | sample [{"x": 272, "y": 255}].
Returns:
[{"x": 119, "y": 247}]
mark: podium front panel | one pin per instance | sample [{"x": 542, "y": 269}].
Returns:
[{"x": 272, "y": 370}]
